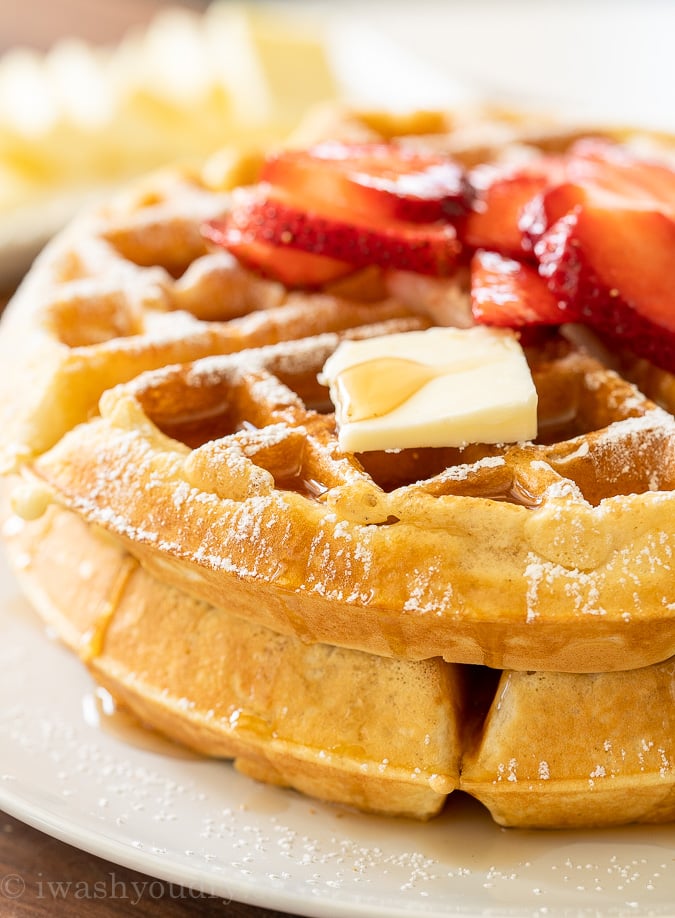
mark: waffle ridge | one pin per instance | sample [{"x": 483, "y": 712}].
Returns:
[{"x": 259, "y": 492}]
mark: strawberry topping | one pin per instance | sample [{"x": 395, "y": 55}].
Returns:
[
  {"x": 259, "y": 216},
  {"x": 584, "y": 236},
  {"x": 373, "y": 181},
  {"x": 504, "y": 196},
  {"x": 615, "y": 270},
  {"x": 290, "y": 266},
  {"x": 510, "y": 293},
  {"x": 604, "y": 175},
  {"x": 616, "y": 170},
  {"x": 600, "y": 225}
]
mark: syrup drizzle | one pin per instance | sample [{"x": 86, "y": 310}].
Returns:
[
  {"x": 518, "y": 495},
  {"x": 377, "y": 387},
  {"x": 101, "y": 712},
  {"x": 92, "y": 641},
  {"x": 307, "y": 487}
]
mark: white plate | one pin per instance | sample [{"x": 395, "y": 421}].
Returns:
[{"x": 70, "y": 771}]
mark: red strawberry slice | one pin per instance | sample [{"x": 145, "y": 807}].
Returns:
[
  {"x": 547, "y": 208},
  {"x": 289, "y": 266},
  {"x": 372, "y": 181},
  {"x": 509, "y": 293},
  {"x": 616, "y": 169},
  {"x": 502, "y": 198},
  {"x": 514, "y": 207},
  {"x": 260, "y": 217},
  {"x": 615, "y": 268},
  {"x": 601, "y": 174}
]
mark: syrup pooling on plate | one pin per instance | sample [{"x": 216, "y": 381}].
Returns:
[{"x": 101, "y": 712}]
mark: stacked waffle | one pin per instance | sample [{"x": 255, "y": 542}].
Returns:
[{"x": 377, "y": 628}]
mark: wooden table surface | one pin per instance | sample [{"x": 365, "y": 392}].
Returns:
[
  {"x": 40, "y": 875},
  {"x": 39, "y": 23}
]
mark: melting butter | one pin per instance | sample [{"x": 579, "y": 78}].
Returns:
[{"x": 439, "y": 387}]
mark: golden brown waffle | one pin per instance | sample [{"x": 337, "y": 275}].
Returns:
[
  {"x": 214, "y": 463},
  {"x": 473, "y": 136},
  {"x": 341, "y": 725},
  {"x": 386, "y": 735},
  {"x": 569, "y": 749},
  {"x": 223, "y": 479},
  {"x": 131, "y": 287}
]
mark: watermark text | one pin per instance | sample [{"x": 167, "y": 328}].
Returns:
[{"x": 108, "y": 886}]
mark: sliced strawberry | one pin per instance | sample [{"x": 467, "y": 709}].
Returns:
[
  {"x": 602, "y": 175},
  {"x": 615, "y": 268},
  {"x": 495, "y": 221},
  {"x": 515, "y": 207},
  {"x": 509, "y": 293},
  {"x": 372, "y": 181},
  {"x": 289, "y": 266},
  {"x": 260, "y": 217},
  {"x": 618, "y": 170},
  {"x": 547, "y": 208}
]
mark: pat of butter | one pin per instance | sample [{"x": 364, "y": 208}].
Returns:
[{"x": 439, "y": 387}]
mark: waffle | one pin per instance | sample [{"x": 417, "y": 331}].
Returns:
[
  {"x": 169, "y": 400},
  {"x": 390, "y": 736},
  {"x": 132, "y": 286},
  {"x": 314, "y": 717},
  {"x": 252, "y": 507}
]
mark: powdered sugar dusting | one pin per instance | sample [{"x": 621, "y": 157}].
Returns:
[
  {"x": 423, "y": 597},
  {"x": 580, "y": 588},
  {"x": 461, "y": 472}
]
